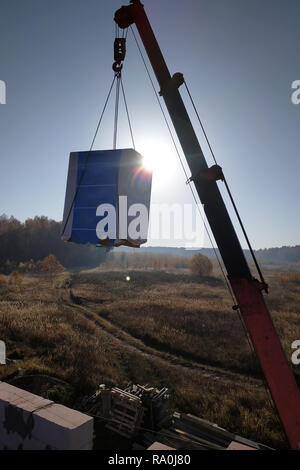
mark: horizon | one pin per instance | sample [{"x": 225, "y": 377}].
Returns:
[{"x": 156, "y": 246}]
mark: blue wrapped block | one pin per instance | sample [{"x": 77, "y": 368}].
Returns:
[{"x": 107, "y": 198}]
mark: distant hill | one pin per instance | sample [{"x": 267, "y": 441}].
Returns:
[{"x": 282, "y": 256}]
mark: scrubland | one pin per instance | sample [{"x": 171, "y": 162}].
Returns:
[{"x": 162, "y": 328}]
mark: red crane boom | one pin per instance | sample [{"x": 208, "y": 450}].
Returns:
[{"x": 247, "y": 290}]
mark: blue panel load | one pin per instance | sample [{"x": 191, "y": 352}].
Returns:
[{"x": 107, "y": 198}]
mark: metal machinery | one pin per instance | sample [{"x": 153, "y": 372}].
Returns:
[{"x": 247, "y": 290}]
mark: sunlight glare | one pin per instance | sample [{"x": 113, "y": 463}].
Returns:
[{"x": 158, "y": 158}]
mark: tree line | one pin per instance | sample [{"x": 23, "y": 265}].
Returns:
[
  {"x": 198, "y": 264},
  {"x": 288, "y": 254},
  {"x": 33, "y": 240}
]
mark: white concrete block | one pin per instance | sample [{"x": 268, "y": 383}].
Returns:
[
  {"x": 88, "y": 446},
  {"x": 16, "y": 442},
  {"x": 30, "y": 421},
  {"x": 72, "y": 428},
  {"x": 10, "y": 395}
]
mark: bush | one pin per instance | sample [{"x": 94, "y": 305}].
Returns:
[
  {"x": 51, "y": 265},
  {"x": 200, "y": 265},
  {"x": 28, "y": 267}
]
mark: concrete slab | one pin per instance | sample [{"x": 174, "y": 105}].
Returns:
[{"x": 29, "y": 421}]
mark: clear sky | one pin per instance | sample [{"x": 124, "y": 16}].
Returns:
[{"x": 239, "y": 58}]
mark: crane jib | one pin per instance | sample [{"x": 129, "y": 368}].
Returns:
[{"x": 247, "y": 290}]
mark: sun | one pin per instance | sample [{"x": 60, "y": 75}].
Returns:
[
  {"x": 148, "y": 163},
  {"x": 157, "y": 158}
]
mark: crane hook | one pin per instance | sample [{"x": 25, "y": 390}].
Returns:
[{"x": 117, "y": 67}]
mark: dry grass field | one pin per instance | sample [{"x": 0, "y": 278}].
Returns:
[{"x": 165, "y": 329}]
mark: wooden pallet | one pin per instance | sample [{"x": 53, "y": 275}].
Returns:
[{"x": 126, "y": 413}]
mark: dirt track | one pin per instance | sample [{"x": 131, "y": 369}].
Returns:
[{"x": 89, "y": 311}]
